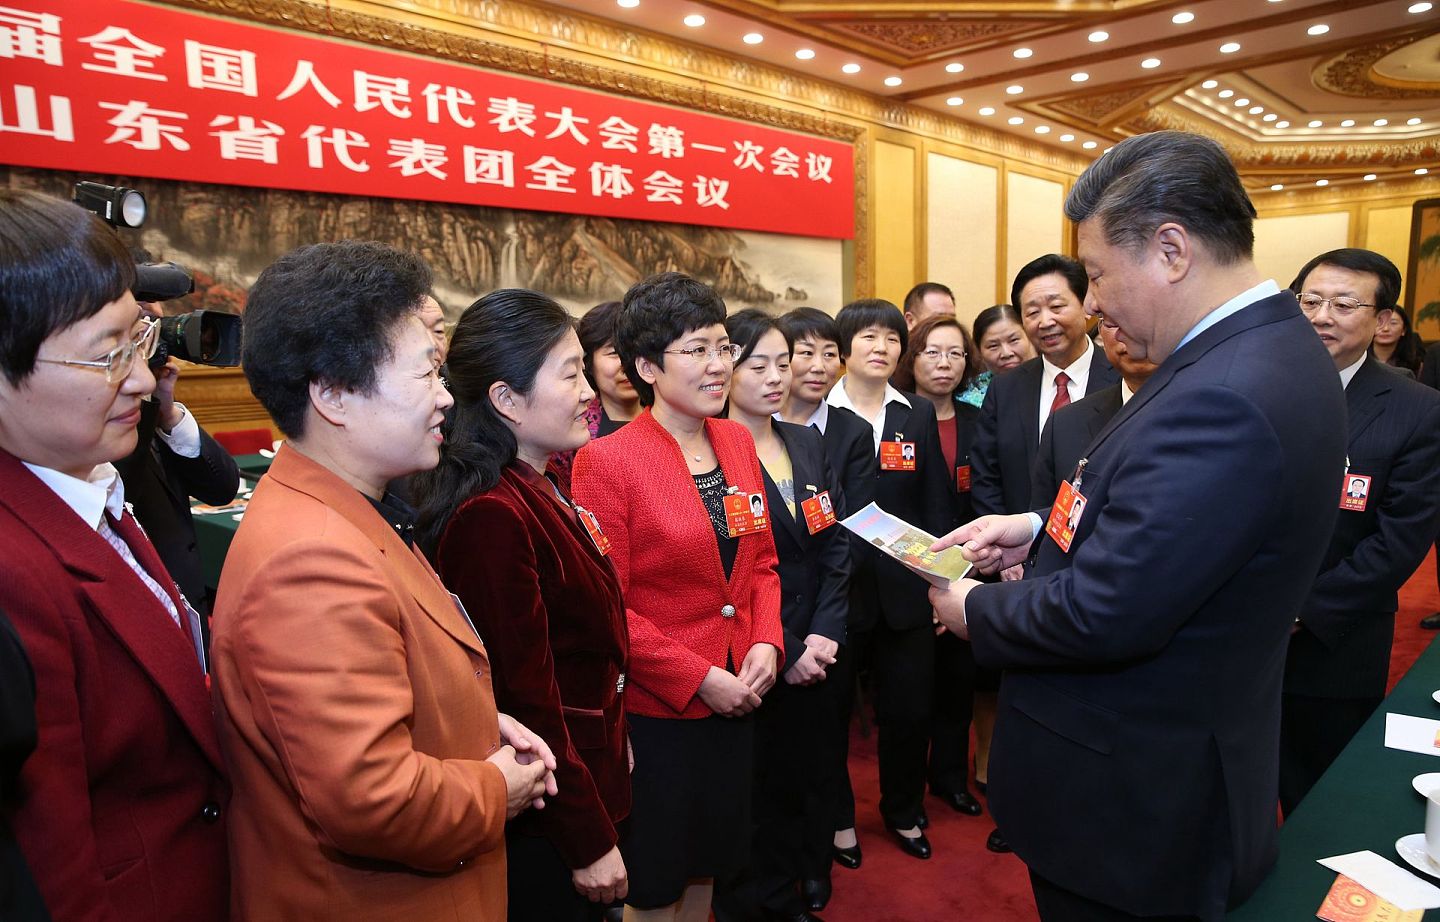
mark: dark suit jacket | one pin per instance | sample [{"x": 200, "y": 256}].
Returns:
[
  {"x": 923, "y": 497},
  {"x": 19, "y": 899},
  {"x": 1063, "y": 442},
  {"x": 814, "y": 569},
  {"x": 549, "y": 607},
  {"x": 159, "y": 484},
  {"x": 1347, "y": 623},
  {"x": 121, "y": 806},
  {"x": 1143, "y": 668},
  {"x": 1007, "y": 435},
  {"x": 967, "y": 418},
  {"x": 850, "y": 449},
  {"x": 1430, "y": 370}
]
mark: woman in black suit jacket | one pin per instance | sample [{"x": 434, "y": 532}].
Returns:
[
  {"x": 937, "y": 366},
  {"x": 890, "y": 616}
]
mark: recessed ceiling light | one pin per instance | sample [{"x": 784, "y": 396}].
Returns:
[
  {"x": 851, "y": 68},
  {"x": 1242, "y": 102},
  {"x": 1079, "y": 77},
  {"x": 987, "y": 110},
  {"x": 1277, "y": 187},
  {"x": 1269, "y": 117},
  {"x": 1368, "y": 177},
  {"x": 1042, "y": 129},
  {"x": 1181, "y": 19},
  {"x": 1023, "y": 53},
  {"x": 954, "y": 67},
  {"x": 805, "y": 54},
  {"x": 1255, "y": 110},
  {"x": 1067, "y": 138},
  {"x": 1322, "y": 182},
  {"x": 1348, "y": 123},
  {"x": 752, "y": 38},
  {"x": 1282, "y": 124},
  {"x": 1016, "y": 120},
  {"x": 955, "y": 101},
  {"x": 1381, "y": 122},
  {"x": 1421, "y": 171},
  {"x": 1098, "y": 37},
  {"x": 1225, "y": 94},
  {"x": 1150, "y": 63},
  {"x": 1412, "y": 121},
  {"x": 893, "y": 81},
  {"x": 1209, "y": 84},
  {"x": 1318, "y": 29},
  {"x": 1421, "y": 7},
  {"x": 694, "y": 20},
  {"x": 1316, "y": 123},
  {"x": 627, "y": 4},
  {"x": 1014, "y": 89},
  {"x": 1229, "y": 47},
  {"x": 1090, "y": 145}
]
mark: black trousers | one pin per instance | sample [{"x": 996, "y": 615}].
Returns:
[
  {"x": 902, "y": 673},
  {"x": 540, "y": 885},
  {"x": 1312, "y": 733},
  {"x": 1056, "y": 904},
  {"x": 954, "y": 707}
]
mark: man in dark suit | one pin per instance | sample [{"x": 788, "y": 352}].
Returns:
[
  {"x": 174, "y": 460},
  {"x": 1049, "y": 292},
  {"x": 1339, "y": 655},
  {"x": 1135, "y": 757},
  {"x": 1071, "y": 429},
  {"x": 1430, "y": 377}
]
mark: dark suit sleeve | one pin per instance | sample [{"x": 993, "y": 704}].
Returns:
[
  {"x": 1406, "y": 522},
  {"x": 832, "y": 604},
  {"x": 1160, "y": 546},
  {"x": 1042, "y": 476},
  {"x": 986, "y": 494},
  {"x": 858, "y": 477},
  {"x": 1430, "y": 370},
  {"x": 210, "y": 476}
]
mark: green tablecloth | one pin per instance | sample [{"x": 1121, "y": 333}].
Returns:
[
  {"x": 1364, "y": 802},
  {"x": 213, "y": 534}
]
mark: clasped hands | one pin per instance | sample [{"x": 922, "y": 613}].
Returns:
[
  {"x": 528, "y": 766},
  {"x": 737, "y": 695},
  {"x": 994, "y": 544}
]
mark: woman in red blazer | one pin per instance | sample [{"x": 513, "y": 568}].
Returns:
[
  {"x": 703, "y": 606},
  {"x": 539, "y": 587}
]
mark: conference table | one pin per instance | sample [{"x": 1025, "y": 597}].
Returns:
[{"x": 1364, "y": 802}]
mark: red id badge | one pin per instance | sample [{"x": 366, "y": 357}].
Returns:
[
  {"x": 962, "y": 479},
  {"x": 1355, "y": 492},
  {"x": 592, "y": 528},
  {"x": 897, "y": 456},
  {"x": 745, "y": 513},
  {"x": 1065, "y": 516},
  {"x": 819, "y": 512}
]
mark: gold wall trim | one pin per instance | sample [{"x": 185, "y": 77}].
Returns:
[{"x": 1377, "y": 194}]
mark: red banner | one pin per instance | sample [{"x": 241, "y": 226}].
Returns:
[{"x": 111, "y": 86}]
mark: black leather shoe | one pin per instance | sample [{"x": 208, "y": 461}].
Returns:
[
  {"x": 816, "y": 893},
  {"x": 922, "y": 820},
  {"x": 847, "y": 857},
  {"x": 962, "y": 802},
  {"x": 1431, "y": 622},
  {"x": 918, "y": 847},
  {"x": 996, "y": 843}
]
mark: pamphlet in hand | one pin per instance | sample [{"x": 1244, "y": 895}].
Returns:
[{"x": 910, "y": 545}]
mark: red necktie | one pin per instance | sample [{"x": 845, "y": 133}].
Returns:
[{"x": 1062, "y": 392}]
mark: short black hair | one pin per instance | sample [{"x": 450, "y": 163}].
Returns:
[
  {"x": 326, "y": 313},
  {"x": 656, "y": 312},
  {"x": 596, "y": 329},
  {"x": 869, "y": 312},
  {"x": 747, "y": 326},
  {"x": 59, "y": 264},
  {"x": 916, "y": 296},
  {"x": 810, "y": 323},
  {"x": 1167, "y": 176},
  {"x": 1051, "y": 263},
  {"x": 1387, "y": 292},
  {"x": 993, "y": 315}
]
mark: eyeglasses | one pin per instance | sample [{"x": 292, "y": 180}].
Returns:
[
  {"x": 1339, "y": 307},
  {"x": 728, "y": 353},
  {"x": 118, "y": 361},
  {"x": 956, "y": 356}
]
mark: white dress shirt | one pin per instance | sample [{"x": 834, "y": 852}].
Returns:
[
  {"x": 839, "y": 398},
  {"x": 1079, "y": 372},
  {"x": 1347, "y": 374},
  {"x": 184, "y": 439},
  {"x": 819, "y": 419}
]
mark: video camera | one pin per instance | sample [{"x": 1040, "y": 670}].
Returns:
[{"x": 202, "y": 337}]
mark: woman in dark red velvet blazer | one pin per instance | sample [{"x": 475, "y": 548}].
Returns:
[{"x": 532, "y": 572}]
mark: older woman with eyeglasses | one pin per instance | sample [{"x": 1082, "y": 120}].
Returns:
[{"x": 673, "y": 492}]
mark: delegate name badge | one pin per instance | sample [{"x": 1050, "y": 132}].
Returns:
[
  {"x": 1065, "y": 516},
  {"x": 1354, "y": 492},
  {"x": 897, "y": 456},
  {"x": 745, "y": 513},
  {"x": 592, "y": 528},
  {"x": 819, "y": 512},
  {"x": 962, "y": 478}
]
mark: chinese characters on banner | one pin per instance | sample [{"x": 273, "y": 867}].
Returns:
[{"x": 110, "y": 86}]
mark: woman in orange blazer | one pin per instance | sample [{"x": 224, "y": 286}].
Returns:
[
  {"x": 372, "y": 776},
  {"x": 540, "y": 588},
  {"x": 701, "y": 594}
]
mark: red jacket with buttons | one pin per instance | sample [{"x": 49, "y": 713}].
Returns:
[{"x": 665, "y": 553}]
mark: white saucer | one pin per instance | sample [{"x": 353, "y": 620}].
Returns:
[
  {"x": 1412, "y": 849},
  {"x": 1426, "y": 783},
  {"x": 1436, "y": 695}
]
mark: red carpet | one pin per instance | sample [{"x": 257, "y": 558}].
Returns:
[{"x": 963, "y": 881}]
